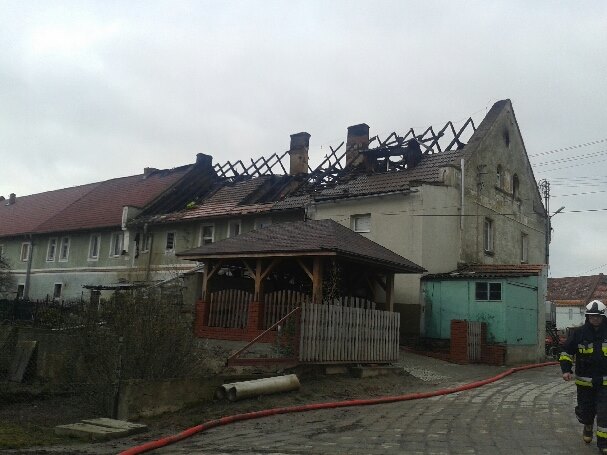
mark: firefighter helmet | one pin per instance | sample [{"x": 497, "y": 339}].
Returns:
[{"x": 596, "y": 307}]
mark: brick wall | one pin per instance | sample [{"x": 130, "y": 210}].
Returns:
[{"x": 491, "y": 354}]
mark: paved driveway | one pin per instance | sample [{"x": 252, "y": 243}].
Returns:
[{"x": 529, "y": 412}]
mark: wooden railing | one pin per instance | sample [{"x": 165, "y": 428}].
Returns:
[
  {"x": 229, "y": 308},
  {"x": 279, "y": 303},
  {"x": 332, "y": 333}
]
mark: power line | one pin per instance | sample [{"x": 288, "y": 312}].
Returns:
[
  {"x": 572, "y": 158},
  {"x": 570, "y": 147}
]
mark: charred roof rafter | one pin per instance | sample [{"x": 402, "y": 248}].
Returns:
[{"x": 394, "y": 153}]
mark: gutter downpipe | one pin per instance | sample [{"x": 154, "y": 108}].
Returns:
[{"x": 28, "y": 270}]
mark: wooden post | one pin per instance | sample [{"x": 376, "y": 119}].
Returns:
[
  {"x": 317, "y": 280},
  {"x": 205, "y": 279},
  {"x": 390, "y": 292}
]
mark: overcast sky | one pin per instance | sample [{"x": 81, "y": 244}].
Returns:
[{"x": 96, "y": 90}]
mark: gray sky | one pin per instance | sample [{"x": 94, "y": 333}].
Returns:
[{"x": 101, "y": 89}]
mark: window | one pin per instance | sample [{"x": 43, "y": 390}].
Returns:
[
  {"x": 25, "y": 251},
  {"x": 147, "y": 243},
  {"x": 488, "y": 236},
  {"x": 570, "y": 314},
  {"x": 57, "y": 291},
  {"x": 170, "y": 242},
  {"x": 500, "y": 177},
  {"x": 361, "y": 223},
  {"x": 207, "y": 234},
  {"x": 20, "y": 290},
  {"x": 261, "y": 223},
  {"x": 1, "y": 250},
  {"x": 94, "y": 247},
  {"x": 233, "y": 228},
  {"x": 515, "y": 184},
  {"x": 51, "y": 250},
  {"x": 524, "y": 248},
  {"x": 488, "y": 291},
  {"x": 64, "y": 249},
  {"x": 116, "y": 244}
]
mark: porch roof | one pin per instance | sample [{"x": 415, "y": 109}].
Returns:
[
  {"x": 489, "y": 271},
  {"x": 301, "y": 238}
]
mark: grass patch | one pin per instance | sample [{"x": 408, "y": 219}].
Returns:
[{"x": 23, "y": 436}]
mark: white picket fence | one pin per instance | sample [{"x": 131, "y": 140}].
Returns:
[{"x": 332, "y": 333}]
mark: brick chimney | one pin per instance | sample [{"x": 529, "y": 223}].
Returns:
[
  {"x": 204, "y": 161},
  {"x": 300, "y": 144},
  {"x": 147, "y": 171},
  {"x": 358, "y": 139}
]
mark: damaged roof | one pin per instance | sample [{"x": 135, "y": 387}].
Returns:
[
  {"x": 304, "y": 238},
  {"x": 577, "y": 290}
]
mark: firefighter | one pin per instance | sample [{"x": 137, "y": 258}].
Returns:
[{"x": 588, "y": 345}]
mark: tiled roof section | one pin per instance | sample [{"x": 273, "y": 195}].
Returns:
[
  {"x": 305, "y": 237},
  {"x": 28, "y": 212},
  {"x": 93, "y": 206},
  {"x": 489, "y": 271},
  {"x": 577, "y": 290}
]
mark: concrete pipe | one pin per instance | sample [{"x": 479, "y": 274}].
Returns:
[{"x": 265, "y": 386}]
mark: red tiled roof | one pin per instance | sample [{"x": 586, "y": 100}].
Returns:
[
  {"x": 489, "y": 271},
  {"x": 92, "y": 206},
  {"x": 314, "y": 236},
  {"x": 577, "y": 290}
]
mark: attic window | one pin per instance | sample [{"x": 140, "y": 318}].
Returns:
[
  {"x": 361, "y": 223},
  {"x": 500, "y": 177},
  {"x": 507, "y": 138},
  {"x": 515, "y": 185}
]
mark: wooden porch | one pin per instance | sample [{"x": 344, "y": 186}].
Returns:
[{"x": 345, "y": 299}]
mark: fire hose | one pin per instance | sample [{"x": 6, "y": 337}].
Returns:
[{"x": 152, "y": 445}]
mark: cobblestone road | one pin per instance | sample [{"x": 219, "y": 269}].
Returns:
[{"x": 529, "y": 412}]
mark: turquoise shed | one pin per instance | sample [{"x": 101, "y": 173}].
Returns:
[{"x": 509, "y": 298}]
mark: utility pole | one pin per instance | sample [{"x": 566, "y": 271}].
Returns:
[{"x": 544, "y": 187}]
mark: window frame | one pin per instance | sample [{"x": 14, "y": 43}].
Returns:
[
  {"x": 65, "y": 242},
  {"x": 60, "y": 287},
  {"x": 524, "y": 248},
  {"x": 488, "y": 236},
  {"x": 146, "y": 242},
  {"x": 91, "y": 239},
  {"x": 355, "y": 219},
  {"x": 27, "y": 247},
  {"x": 488, "y": 292},
  {"x": 20, "y": 291},
  {"x": 202, "y": 237},
  {"x": 48, "y": 249},
  {"x": 170, "y": 250},
  {"x": 113, "y": 244},
  {"x": 234, "y": 223}
]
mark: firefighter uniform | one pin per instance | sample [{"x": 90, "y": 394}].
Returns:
[{"x": 587, "y": 345}]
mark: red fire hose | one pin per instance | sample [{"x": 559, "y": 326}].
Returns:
[{"x": 312, "y": 407}]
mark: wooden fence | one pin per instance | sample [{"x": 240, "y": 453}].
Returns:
[
  {"x": 333, "y": 333},
  {"x": 229, "y": 308}
]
